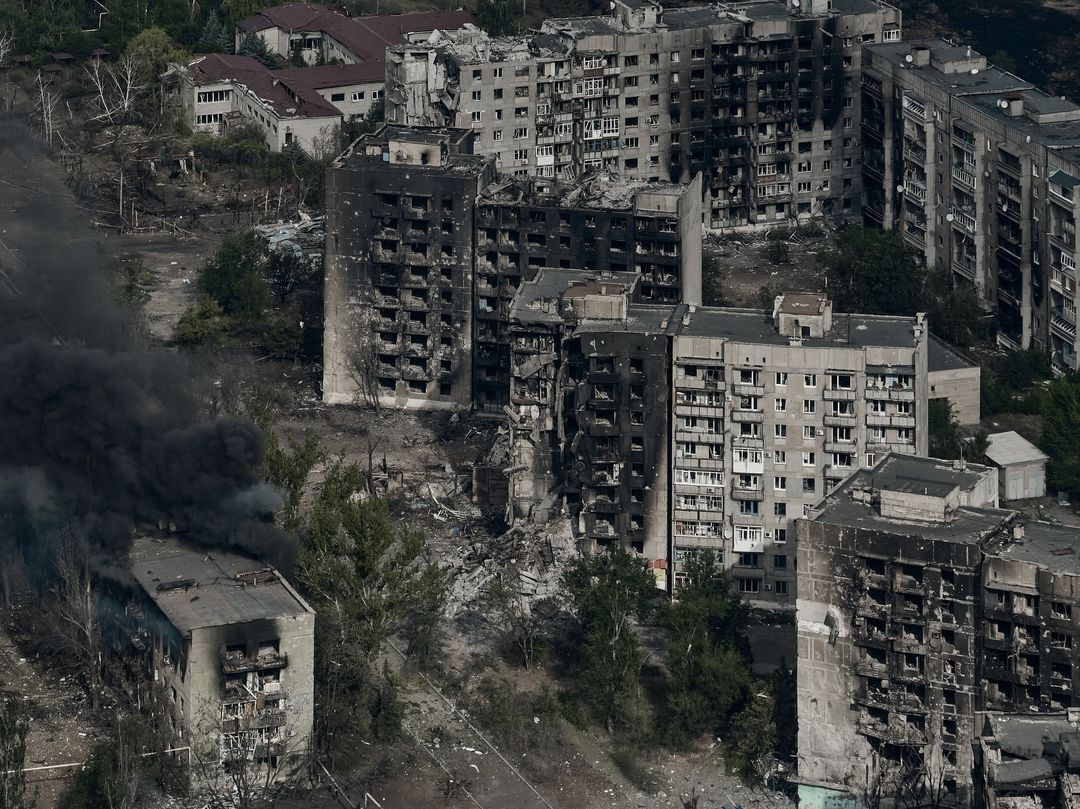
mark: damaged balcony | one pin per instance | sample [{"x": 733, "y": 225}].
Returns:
[{"x": 235, "y": 661}]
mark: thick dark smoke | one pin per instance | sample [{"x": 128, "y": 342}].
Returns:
[{"x": 98, "y": 430}]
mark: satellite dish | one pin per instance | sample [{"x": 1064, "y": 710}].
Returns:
[
  {"x": 948, "y": 217},
  {"x": 1003, "y": 104},
  {"x": 899, "y": 189},
  {"x": 909, "y": 58},
  {"x": 974, "y": 70},
  {"x": 1027, "y": 138}
]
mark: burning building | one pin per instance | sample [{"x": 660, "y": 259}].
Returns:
[{"x": 232, "y": 644}]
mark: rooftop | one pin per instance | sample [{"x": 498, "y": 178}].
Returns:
[
  {"x": 600, "y": 190},
  {"x": 941, "y": 356},
  {"x": 366, "y": 37},
  {"x": 540, "y": 300},
  {"x": 199, "y": 588},
  {"x": 757, "y": 326},
  {"x": 288, "y": 97},
  {"x": 1023, "y": 736},
  {"x": 1011, "y": 448},
  {"x": 372, "y": 150},
  {"x": 318, "y": 77},
  {"x": 962, "y": 82},
  {"x": 852, "y": 502},
  {"x": 1052, "y": 547}
]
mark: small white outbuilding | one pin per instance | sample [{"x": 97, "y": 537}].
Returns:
[{"x": 1022, "y": 465}]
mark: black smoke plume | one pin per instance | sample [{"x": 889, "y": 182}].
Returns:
[{"x": 98, "y": 430}]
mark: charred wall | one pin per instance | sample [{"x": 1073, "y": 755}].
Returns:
[
  {"x": 617, "y": 461},
  {"x": 399, "y": 285}
]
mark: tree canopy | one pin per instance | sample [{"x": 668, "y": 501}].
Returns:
[
  {"x": 606, "y": 593},
  {"x": 1060, "y": 438},
  {"x": 874, "y": 272}
]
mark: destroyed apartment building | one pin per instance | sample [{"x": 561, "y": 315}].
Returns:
[
  {"x": 232, "y": 646},
  {"x": 922, "y": 607},
  {"x": 761, "y": 98},
  {"x": 674, "y": 428},
  {"x": 427, "y": 247},
  {"x": 980, "y": 171}
]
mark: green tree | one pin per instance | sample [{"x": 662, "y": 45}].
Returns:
[
  {"x": 1004, "y": 61},
  {"x": 606, "y": 592},
  {"x": 943, "y": 430},
  {"x": 201, "y": 323},
  {"x": 713, "y": 278},
  {"x": 955, "y": 310},
  {"x": 709, "y": 675},
  {"x": 874, "y": 272},
  {"x": 153, "y": 51},
  {"x": 495, "y": 16},
  {"x": 365, "y": 577},
  {"x": 753, "y": 737},
  {"x": 234, "y": 277},
  {"x": 239, "y": 9},
  {"x": 1060, "y": 438},
  {"x": 14, "y": 792},
  {"x": 135, "y": 282},
  {"x": 254, "y": 46}
]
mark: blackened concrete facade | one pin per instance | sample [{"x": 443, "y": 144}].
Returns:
[
  {"x": 398, "y": 290},
  {"x": 761, "y": 98},
  {"x": 233, "y": 645},
  {"x": 427, "y": 246}
]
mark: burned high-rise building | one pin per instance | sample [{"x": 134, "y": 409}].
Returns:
[
  {"x": 426, "y": 247},
  {"x": 675, "y": 429},
  {"x": 398, "y": 293},
  {"x": 760, "y": 98},
  {"x": 921, "y": 606}
]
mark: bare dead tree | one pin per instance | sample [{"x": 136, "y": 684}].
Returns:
[
  {"x": 362, "y": 363},
  {"x": 47, "y": 102},
  {"x": 77, "y": 608},
  {"x": 7, "y": 44},
  {"x": 117, "y": 89}
]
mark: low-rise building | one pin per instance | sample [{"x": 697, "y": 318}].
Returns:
[
  {"x": 1026, "y": 761},
  {"x": 218, "y": 91},
  {"x": 326, "y": 34},
  {"x": 955, "y": 378},
  {"x": 1021, "y": 465},
  {"x": 232, "y": 643}
]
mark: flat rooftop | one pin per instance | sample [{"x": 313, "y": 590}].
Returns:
[
  {"x": 1022, "y": 735},
  {"x": 988, "y": 79},
  {"x": 941, "y": 356},
  {"x": 1049, "y": 546},
  {"x": 199, "y": 588},
  {"x": 915, "y": 475},
  {"x": 370, "y": 150},
  {"x": 757, "y": 326},
  {"x": 536, "y": 299}
]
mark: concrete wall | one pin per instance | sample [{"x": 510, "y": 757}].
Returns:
[
  {"x": 354, "y": 100},
  {"x": 961, "y": 387},
  {"x": 296, "y": 640},
  {"x": 1023, "y": 481}
]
